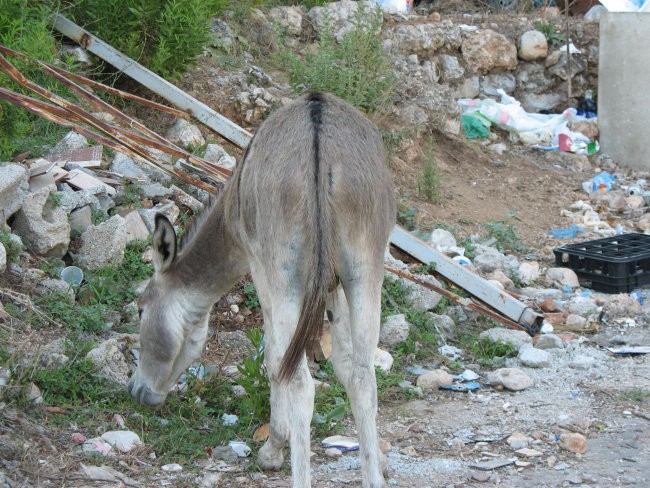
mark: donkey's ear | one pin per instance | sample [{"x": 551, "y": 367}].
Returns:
[{"x": 164, "y": 244}]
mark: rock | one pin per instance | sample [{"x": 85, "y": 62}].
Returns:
[
  {"x": 81, "y": 219},
  {"x": 487, "y": 51},
  {"x": 166, "y": 207},
  {"x": 333, "y": 452},
  {"x": 534, "y": 358},
  {"x": 14, "y": 187},
  {"x": 443, "y": 323},
  {"x": 155, "y": 191},
  {"x": 470, "y": 88},
  {"x": 34, "y": 394},
  {"x": 122, "y": 440},
  {"x": 172, "y": 468},
  {"x": 422, "y": 39},
  {"x": 573, "y": 442},
  {"x": 390, "y": 261},
  {"x": 70, "y": 199},
  {"x": 575, "y": 322},
  {"x": 43, "y": 226},
  {"x": 499, "y": 148},
  {"x": 517, "y": 338},
  {"x": 394, "y": 330},
  {"x": 529, "y": 272},
  {"x": 339, "y": 17},
  {"x": 587, "y": 127},
  {"x": 136, "y": 230},
  {"x": 488, "y": 259},
  {"x": 442, "y": 240},
  {"x": 533, "y": 46},
  {"x": 110, "y": 359},
  {"x": 536, "y": 102},
  {"x": 559, "y": 68},
  {"x": 185, "y": 134},
  {"x": 623, "y": 305},
  {"x": 644, "y": 223},
  {"x": 124, "y": 165},
  {"x": 218, "y": 155},
  {"x": 103, "y": 245},
  {"x": 583, "y": 306},
  {"x": 549, "y": 341},
  {"x": 412, "y": 114},
  {"x": 510, "y": 378},
  {"x": 518, "y": 441},
  {"x": 490, "y": 84},
  {"x": 582, "y": 362},
  {"x": 185, "y": 199},
  {"x": 50, "y": 285},
  {"x": 422, "y": 298},
  {"x": 71, "y": 142},
  {"x": 450, "y": 67},
  {"x": 434, "y": 379},
  {"x": 383, "y": 359},
  {"x": 528, "y": 453},
  {"x": 501, "y": 278},
  {"x": 563, "y": 277},
  {"x": 635, "y": 202},
  {"x": 3, "y": 258},
  {"x": 289, "y": 19}
]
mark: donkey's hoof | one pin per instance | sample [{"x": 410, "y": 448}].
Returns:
[{"x": 270, "y": 458}]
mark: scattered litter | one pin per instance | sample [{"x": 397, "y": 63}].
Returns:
[
  {"x": 395, "y": 6},
  {"x": 468, "y": 386},
  {"x": 530, "y": 128},
  {"x": 341, "y": 442},
  {"x": 240, "y": 448},
  {"x": 450, "y": 352},
  {"x": 72, "y": 275},
  {"x": 229, "y": 419},
  {"x": 603, "y": 182},
  {"x": 630, "y": 350},
  {"x": 571, "y": 231},
  {"x": 462, "y": 260},
  {"x": 416, "y": 370},
  {"x": 492, "y": 464},
  {"x": 475, "y": 126},
  {"x": 468, "y": 375}
]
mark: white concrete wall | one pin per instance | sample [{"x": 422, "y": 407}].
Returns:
[{"x": 624, "y": 88}]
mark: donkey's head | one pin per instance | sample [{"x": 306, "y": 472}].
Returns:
[{"x": 173, "y": 325}]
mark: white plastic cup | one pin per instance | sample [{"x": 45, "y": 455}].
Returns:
[{"x": 72, "y": 275}]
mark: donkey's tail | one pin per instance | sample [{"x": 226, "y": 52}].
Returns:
[{"x": 321, "y": 275}]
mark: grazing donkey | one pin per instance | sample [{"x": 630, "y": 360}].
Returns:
[{"x": 308, "y": 213}]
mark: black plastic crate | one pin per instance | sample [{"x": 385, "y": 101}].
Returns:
[{"x": 612, "y": 265}]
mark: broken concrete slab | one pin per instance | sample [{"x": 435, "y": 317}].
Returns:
[
  {"x": 42, "y": 225},
  {"x": 14, "y": 187},
  {"x": 103, "y": 244}
]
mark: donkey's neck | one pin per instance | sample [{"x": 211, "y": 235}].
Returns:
[{"x": 212, "y": 261}]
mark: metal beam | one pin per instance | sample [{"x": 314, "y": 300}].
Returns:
[
  {"x": 472, "y": 283},
  {"x": 155, "y": 83}
]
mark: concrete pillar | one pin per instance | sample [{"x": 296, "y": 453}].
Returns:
[{"x": 623, "y": 88}]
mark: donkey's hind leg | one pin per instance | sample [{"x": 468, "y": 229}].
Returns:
[
  {"x": 292, "y": 402},
  {"x": 353, "y": 349}
]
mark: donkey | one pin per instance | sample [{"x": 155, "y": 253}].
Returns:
[{"x": 308, "y": 213}]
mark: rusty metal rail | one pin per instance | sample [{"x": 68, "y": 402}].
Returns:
[{"x": 134, "y": 144}]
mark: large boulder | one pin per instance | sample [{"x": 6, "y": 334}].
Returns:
[
  {"x": 533, "y": 46},
  {"x": 485, "y": 51},
  {"x": 110, "y": 357},
  {"x": 42, "y": 225},
  {"x": 14, "y": 186},
  {"x": 288, "y": 18},
  {"x": 424, "y": 39},
  {"x": 394, "y": 330},
  {"x": 185, "y": 134},
  {"x": 103, "y": 245}
]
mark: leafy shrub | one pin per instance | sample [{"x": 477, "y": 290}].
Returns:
[
  {"x": 24, "y": 27},
  {"x": 256, "y": 404},
  {"x": 356, "y": 69},
  {"x": 12, "y": 248},
  {"x": 164, "y": 35}
]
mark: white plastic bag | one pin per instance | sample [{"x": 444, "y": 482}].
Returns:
[{"x": 395, "y": 6}]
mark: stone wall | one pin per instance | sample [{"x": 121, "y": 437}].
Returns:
[{"x": 439, "y": 59}]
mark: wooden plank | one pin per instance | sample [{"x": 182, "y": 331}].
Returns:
[{"x": 83, "y": 181}]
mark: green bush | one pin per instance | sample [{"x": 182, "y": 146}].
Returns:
[
  {"x": 164, "y": 35},
  {"x": 356, "y": 69},
  {"x": 24, "y": 27}
]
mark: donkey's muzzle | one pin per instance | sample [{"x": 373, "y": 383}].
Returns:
[{"x": 142, "y": 393}]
